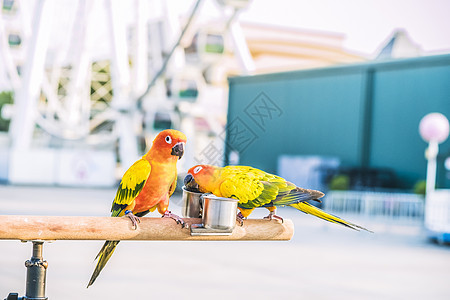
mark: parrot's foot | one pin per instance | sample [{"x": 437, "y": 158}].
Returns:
[
  {"x": 272, "y": 216},
  {"x": 240, "y": 219},
  {"x": 179, "y": 220},
  {"x": 134, "y": 220}
]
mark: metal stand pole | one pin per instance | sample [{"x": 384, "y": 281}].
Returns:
[{"x": 36, "y": 272}]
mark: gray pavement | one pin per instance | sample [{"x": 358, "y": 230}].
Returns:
[{"x": 322, "y": 261}]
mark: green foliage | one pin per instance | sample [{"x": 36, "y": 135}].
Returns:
[
  {"x": 339, "y": 183},
  {"x": 5, "y": 98},
  {"x": 420, "y": 187}
]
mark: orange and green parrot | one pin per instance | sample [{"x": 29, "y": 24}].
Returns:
[
  {"x": 255, "y": 188},
  {"x": 146, "y": 186}
]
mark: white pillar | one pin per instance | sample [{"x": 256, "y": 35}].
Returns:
[
  {"x": 140, "y": 51},
  {"x": 241, "y": 48},
  {"x": 120, "y": 76},
  {"x": 26, "y": 99},
  {"x": 77, "y": 104}
]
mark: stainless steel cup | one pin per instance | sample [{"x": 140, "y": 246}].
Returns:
[
  {"x": 191, "y": 204},
  {"x": 218, "y": 212}
]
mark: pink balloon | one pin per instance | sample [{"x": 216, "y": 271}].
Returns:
[{"x": 434, "y": 126}]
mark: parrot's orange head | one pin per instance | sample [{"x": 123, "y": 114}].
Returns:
[
  {"x": 169, "y": 143},
  {"x": 200, "y": 178}
]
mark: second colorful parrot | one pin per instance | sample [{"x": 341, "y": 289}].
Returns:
[{"x": 255, "y": 188}]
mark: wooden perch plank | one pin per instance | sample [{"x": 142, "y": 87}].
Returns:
[{"x": 107, "y": 228}]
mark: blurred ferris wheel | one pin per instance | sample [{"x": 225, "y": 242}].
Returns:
[{"x": 86, "y": 70}]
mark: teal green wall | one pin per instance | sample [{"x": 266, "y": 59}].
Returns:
[{"x": 367, "y": 115}]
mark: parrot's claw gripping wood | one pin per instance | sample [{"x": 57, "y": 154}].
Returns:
[
  {"x": 134, "y": 220},
  {"x": 179, "y": 220},
  {"x": 240, "y": 219},
  {"x": 272, "y": 216}
]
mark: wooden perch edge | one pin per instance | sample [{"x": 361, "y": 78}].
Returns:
[{"x": 106, "y": 228}]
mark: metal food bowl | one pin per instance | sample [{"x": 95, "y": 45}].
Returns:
[
  {"x": 192, "y": 204},
  {"x": 219, "y": 212}
]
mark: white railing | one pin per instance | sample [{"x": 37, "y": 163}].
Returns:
[
  {"x": 437, "y": 218},
  {"x": 388, "y": 206}
]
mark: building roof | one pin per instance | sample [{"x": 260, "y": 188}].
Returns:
[{"x": 276, "y": 49}]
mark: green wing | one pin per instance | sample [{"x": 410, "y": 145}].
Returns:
[
  {"x": 173, "y": 186},
  {"x": 256, "y": 188},
  {"x": 131, "y": 185},
  {"x": 253, "y": 187}
]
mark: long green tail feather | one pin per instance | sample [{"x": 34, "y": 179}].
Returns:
[
  {"x": 103, "y": 256},
  {"x": 312, "y": 210}
]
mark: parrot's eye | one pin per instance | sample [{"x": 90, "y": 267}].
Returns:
[
  {"x": 198, "y": 169},
  {"x": 168, "y": 139}
]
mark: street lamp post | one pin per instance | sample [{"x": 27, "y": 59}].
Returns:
[{"x": 434, "y": 129}]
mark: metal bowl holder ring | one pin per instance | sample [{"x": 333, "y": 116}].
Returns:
[{"x": 218, "y": 213}]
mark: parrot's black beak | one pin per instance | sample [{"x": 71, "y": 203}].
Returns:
[
  {"x": 190, "y": 183},
  {"x": 178, "y": 150},
  {"x": 188, "y": 179}
]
